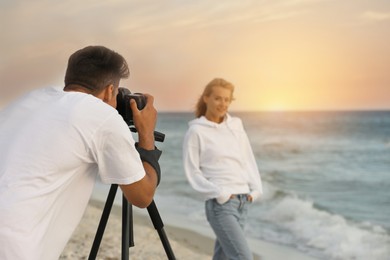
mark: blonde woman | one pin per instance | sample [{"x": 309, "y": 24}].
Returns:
[{"x": 219, "y": 163}]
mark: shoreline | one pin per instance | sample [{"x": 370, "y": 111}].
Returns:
[
  {"x": 185, "y": 242},
  {"x": 147, "y": 242},
  {"x": 203, "y": 239}
]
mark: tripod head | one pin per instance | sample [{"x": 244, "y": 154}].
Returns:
[
  {"x": 158, "y": 136},
  {"x": 123, "y": 106}
]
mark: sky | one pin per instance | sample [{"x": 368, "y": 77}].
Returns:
[{"x": 280, "y": 55}]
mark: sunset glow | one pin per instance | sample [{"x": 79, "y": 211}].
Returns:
[{"x": 280, "y": 55}]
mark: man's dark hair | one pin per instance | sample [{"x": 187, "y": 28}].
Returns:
[{"x": 94, "y": 68}]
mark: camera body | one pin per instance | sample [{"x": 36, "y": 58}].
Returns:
[{"x": 123, "y": 104}]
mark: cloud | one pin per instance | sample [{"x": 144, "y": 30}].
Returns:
[
  {"x": 202, "y": 14},
  {"x": 376, "y": 16}
]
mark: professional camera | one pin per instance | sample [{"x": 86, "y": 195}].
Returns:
[{"x": 123, "y": 106}]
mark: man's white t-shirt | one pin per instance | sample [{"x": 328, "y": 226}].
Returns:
[{"x": 53, "y": 145}]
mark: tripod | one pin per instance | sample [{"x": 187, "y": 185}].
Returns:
[
  {"x": 127, "y": 226},
  {"x": 123, "y": 99}
]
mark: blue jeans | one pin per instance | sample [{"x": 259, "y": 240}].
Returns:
[{"x": 227, "y": 221}]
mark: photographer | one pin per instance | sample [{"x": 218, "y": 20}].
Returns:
[{"x": 53, "y": 145}]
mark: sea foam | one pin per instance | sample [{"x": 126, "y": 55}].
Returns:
[{"x": 332, "y": 235}]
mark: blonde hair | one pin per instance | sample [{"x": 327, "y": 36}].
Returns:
[{"x": 201, "y": 107}]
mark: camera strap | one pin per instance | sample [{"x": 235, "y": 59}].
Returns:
[{"x": 151, "y": 157}]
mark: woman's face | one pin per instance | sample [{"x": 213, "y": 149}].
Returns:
[{"x": 217, "y": 103}]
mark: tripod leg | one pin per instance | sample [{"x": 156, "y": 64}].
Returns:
[
  {"x": 159, "y": 226},
  {"x": 103, "y": 222},
  {"x": 127, "y": 228}
]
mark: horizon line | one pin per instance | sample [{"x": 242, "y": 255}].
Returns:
[{"x": 287, "y": 110}]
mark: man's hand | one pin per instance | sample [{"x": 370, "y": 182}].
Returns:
[{"x": 145, "y": 122}]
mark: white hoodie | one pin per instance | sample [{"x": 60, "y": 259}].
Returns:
[{"x": 218, "y": 159}]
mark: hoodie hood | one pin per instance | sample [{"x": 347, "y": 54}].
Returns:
[{"x": 203, "y": 121}]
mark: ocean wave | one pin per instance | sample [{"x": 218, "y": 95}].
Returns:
[
  {"x": 280, "y": 146},
  {"x": 332, "y": 235}
]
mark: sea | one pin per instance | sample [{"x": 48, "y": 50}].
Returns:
[{"x": 325, "y": 174}]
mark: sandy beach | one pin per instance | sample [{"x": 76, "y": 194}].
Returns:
[
  {"x": 186, "y": 244},
  {"x": 148, "y": 245}
]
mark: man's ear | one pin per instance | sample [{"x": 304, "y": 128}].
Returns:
[{"x": 108, "y": 93}]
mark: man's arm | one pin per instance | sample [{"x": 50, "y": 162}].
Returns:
[{"x": 141, "y": 193}]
